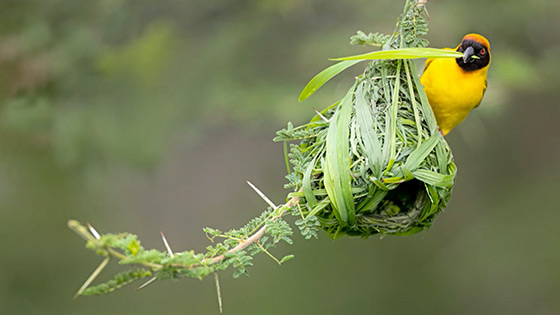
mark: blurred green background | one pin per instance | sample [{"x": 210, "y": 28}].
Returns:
[{"x": 149, "y": 116}]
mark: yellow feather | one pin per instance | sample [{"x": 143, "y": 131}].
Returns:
[{"x": 452, "y": 91}]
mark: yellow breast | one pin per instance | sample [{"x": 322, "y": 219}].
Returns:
[{"x": 452, "y": 91}]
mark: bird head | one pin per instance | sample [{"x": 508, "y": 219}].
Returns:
[{"x": 476, "y": 51}]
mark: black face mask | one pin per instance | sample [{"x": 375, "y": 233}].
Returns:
[{"x": 476, "y": 56}]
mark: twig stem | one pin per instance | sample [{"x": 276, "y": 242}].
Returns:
[{"x": 257, "y": 236}]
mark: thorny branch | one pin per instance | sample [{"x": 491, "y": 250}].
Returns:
[
  {"x": 279, "y": 211},
  {"x": 257, "y": 236}
]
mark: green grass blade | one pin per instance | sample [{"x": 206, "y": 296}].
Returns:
[
  {"x": 387, "y": 95},
  {"x": 306, "y": 187},
  {"x": 433, "y": 178},
  {"x": 404, "y": 53},
  {"x": 442, "y": 156},
  {"x": 434, "y": 198},
  {"x": 394, "y": 110},
  {"x": 320, "y": 206},
  {"x": 366, "y": 126},
  {"x": 329, "y": 181},
  {"x": 338, "y": 180},
  {"x": 371, "y": 203},
  {"x": 324, "y": 76},
  {"x": 286, "y": 158},
  {"x": 417, "y": 121},
  {"x": 426, "y": 109},
  {"x": 417, "y": 156},
  {"x": 441, "y": 153},
  {"x": 344, "y": 157}
]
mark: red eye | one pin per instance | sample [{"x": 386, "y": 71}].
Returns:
[{"x": 482, "y": 51}]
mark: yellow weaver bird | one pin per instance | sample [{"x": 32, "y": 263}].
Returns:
[{"x": 456, "y": 86}]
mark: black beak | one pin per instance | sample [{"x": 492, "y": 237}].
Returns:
[{"x": 468, "y": 53}]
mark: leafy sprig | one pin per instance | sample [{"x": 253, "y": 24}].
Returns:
[
  {"x": 373, "y": 39},
  {"x": 236, "y": 249}
]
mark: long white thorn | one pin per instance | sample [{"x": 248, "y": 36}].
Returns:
[
  {"x": 218, "y": 292},
  {"x": 321, "y": 115},
  {"x": 93, "y": 231},
  {"x": 265, "y": 198},
  {"x": 92, "y": 277},
  {"x": 167, "y": 245},
  {"x": 147, "y": 283}
]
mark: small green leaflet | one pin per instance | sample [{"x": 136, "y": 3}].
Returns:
[{"x": 345, "y": 62}]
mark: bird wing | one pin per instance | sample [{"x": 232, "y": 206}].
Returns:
[
  {"x": 483, "y": 92},
  {"x": 429, "y": 60}
]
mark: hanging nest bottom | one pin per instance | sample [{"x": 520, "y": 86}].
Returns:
[{"x": 398, "y": 213}]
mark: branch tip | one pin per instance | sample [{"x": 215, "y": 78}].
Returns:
[{"x": 72, "y": 224}]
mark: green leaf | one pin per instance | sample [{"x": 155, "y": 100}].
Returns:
[
  {"x": 320, "y": 206},
  {"x": 337, "y": 169},
  {"x": 417, "y": 121},
  {"x": 403, "y": 53},
  {"x": 308, "y": 226},
  {"x": 371, "y": 203},
  {"x": 151, "y": 256},
  {"x": 121, "y": 279},
  {"x": 186, "y": 258},
  {"x": 394, "y": 111},
  {"x": 240, "y": 261},
  {"x": 417, "y": 156},
  {"x": 433, "y": 178},
  {"x": 426, "y": 108},
  {"x": 434, "y": 198},
  {"x": 367, "y": 132},
  {"x": 324, "y": 76},
  {"x": 374, "y": 39},
  {"x": 306, "y": 184},
  {"x": 286, "y": 258}
]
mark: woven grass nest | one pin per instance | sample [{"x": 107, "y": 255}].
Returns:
[{"x": 374, "y": 162}]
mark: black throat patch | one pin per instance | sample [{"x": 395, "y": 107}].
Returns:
[{"x": 480, "y": 51}]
